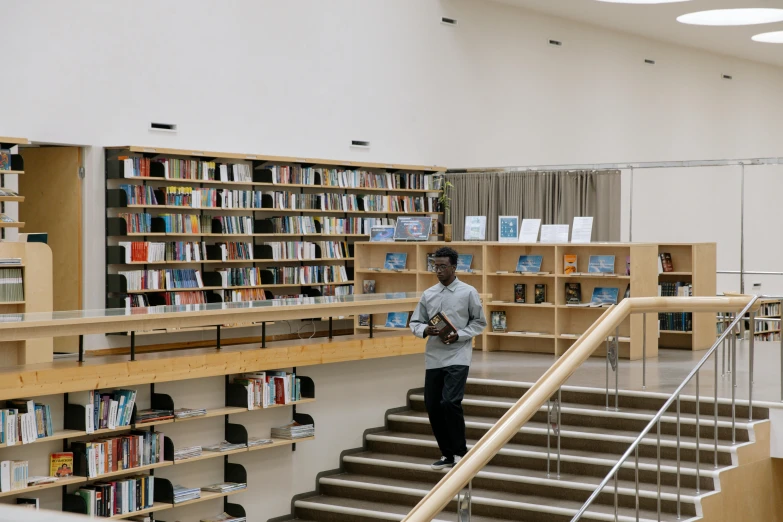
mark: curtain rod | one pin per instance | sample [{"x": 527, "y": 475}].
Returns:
[{"x": 622, "y": 166}]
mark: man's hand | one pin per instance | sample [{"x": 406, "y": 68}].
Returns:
[
  {"x": 431, "y": 330},
  {"x": 453, "y": 337}
]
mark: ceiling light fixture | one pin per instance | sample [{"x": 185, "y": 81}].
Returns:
[
  {"x": 727, "y": 17},
  {"x": 775, "y": 38},
  {"x": 643, "y": 1}
]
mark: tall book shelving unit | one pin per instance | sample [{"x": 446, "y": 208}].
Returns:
[
  {"x": 17, "y": 169},
  {"x": 553, "y": 326},
  {"x": 262, "y": 213}
]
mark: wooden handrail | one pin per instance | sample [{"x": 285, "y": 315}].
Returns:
[{"x": 546, "y": 386}]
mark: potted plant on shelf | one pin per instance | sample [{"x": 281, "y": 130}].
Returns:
[{"x": 445, "y": 205}]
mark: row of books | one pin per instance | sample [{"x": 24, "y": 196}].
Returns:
[
  {"x": 325, "y": 225},
  {"x": 766, "y": 326},
  {"x": 157, "y": 252},
  {"x": 25, "y": 421},
  {"x": 246, "y": 276},
  {"x": 266, "y": 389},
  {"x": 137, "y": 223},
  {"x": 242, "y": 295},
  {"x": 162, "y": 279},
  {"x": 140, "y": 195},
  {"x": 349, "y": 202},
  {"x": 293, "y": 431},
  {"x": 120, "y": 453},
  {"x": 186, "y": 223},
  {"x": 769, "y": 309},
  {"x": 330, "y": 290},
  {"x": 14, "y": 475},
  {"x": 105, "y": 410},
  {"x": 308, "y": 274},
  {"x": 119, "y": 497},
  {"x": 317, "y": 176},
  {"x": 211, "y": 198},
  {"x": 676, "y": 321},
  {"x": 303, "y": 250},
  {"x": 174, "y": 168}
]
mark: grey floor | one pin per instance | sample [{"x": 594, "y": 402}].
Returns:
[{"x": 664, "y": 373}]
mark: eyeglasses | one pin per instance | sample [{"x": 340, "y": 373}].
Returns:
[{"x": 441, "y": 268}]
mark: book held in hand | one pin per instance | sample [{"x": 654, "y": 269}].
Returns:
[
  {"x": 498, "y": 319},
  {"x": 442, "y": 323},
  {"x": 520, "y": 293},
  {"x": 529, "y": 264},
  {"x": 395, "y": 261}
]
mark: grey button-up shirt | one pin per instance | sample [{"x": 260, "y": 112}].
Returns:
[{"x": 461, "y": 304}]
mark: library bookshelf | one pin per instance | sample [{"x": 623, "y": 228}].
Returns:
[
  {"x": 692, "y": 264},
  {"x": 70, "y": 428},
  {"x": 36, "y": 271},
  {"x": 335, "y": 202},
  {"x": 551, "y": 326},
  {"x": 16, "y": 164},
  {"x": 767, "y": 321}
]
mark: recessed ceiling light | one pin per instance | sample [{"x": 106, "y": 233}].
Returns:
[
  {"x": 723, "y": 17},
  {"x": 776, "y": 37},
  {"x": 643, "y": 1}
]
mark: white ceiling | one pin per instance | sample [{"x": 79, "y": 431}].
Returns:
[{"x": 659, "y": 22}]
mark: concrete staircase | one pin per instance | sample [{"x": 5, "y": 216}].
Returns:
[{"x": 386, "y": 478}]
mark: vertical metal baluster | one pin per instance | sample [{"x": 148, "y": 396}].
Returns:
[
  {"x": 607, "y": 373},
  {"x": 751, "y": 350},
  {"x": 615, "y": 495},
  {"x": 734, "y": 392},
  {"x": 548, "y": 430},
  {"x": 723, "y": 345},
  {"x": 644, "y": 351},
  {"x": 559, "y": 429},
  {"x": 781, "y": 352},
  {"x": 658, "y": 449},
  {"x": 617, "y": 369},
  {"x": 678, "y": 457},
  {"x": 698, "y": 431},
  {"x": 636, "y": 458},
  {"x": 715, "y": 411}
]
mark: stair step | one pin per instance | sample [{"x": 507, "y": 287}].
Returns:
[
  {"x": 582, "y": 433},
  {"x": 484, "y": 504},
  {"x": 584, "y": 483},
  {"x": 490, "y": 401}
]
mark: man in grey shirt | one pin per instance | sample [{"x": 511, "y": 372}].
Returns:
[{"x": 447, "y": 361}]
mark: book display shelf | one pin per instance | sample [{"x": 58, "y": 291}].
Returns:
[
  {"x": 551, "y": 325},
  {"x": 692, "y": 264},
  {"x": 186, "y": 227},
  {"x": 10, "y": 165},
  {"x": 74, "y": 434},
  {"x": 767, "y": 321},
  {"x": 32, "y": 278}
]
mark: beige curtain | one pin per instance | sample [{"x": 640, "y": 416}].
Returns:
[{"x": 554, "y": 197}]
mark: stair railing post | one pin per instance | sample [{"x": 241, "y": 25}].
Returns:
[
  {"x": 463, "y": 503},
  {"x": 658, "y": 451},
  {"x": 781, "y": 352},
  {"x": 698, "y": 432},
  {"x": 559, "y": 429},
  {"x": 617, "y": 369},
  {"x": 715, "y": 407},
  {"x": 548, "y": 438},
  {"x": 751, "y": 351},
  {"x": 678, "y": 457},
  {"x": 607, "y": 372},
  {"x": 734, "y": 390},
  {"x": 644, "y": 351},
  {"x": 636, "y": 469}
]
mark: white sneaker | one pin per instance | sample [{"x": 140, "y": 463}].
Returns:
[{"x": 443, "y": 463}]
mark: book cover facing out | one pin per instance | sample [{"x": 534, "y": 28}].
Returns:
[
  {"x": 573, "y": 293},
  {"x": 5, "y": 159},
  {"x": 508, "y": 229},
  {"x": 395, "y": 261},
  {"x": 410, "y": 228},
  {"x": 430, "y": 262},
  {"x": 463, "y": 262},
  {"x": 540, "y": 294},
  {"x": 382, "y": 234},
  {"x": 601, "y": 265},
  {"x": 475, "y": 228},
  {"x": 61, "y": 465},
  {"x": 368, "y": 286},
  {"x": 442, "y": 323},
  {"x": 498, "y": 319},
  {"x": 396, "y": 319},
  {"x": 569, "y": 264},
  {"x": 529, "y": 263},
  {"x": 520, "y": 293},
  {"x": 604, "y": 295}
]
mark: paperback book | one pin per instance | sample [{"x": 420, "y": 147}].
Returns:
[
  {"x": 508, "y": 229},
  {"x": 498, "y": 318},
  {"x": 61, "y": 464},
  {"x": 573, "y": 293},
  {"x": 540, "y": 294},
  {"x": 463, "y": 262},
  {"x": 603, "y": 296},
  {"x": 382, "y": 234},
  {"x": 475, "y": 228},
  {"x": 529, "y": 264},
  {"x": 397, "y": 320},
  {"x": 601, "y": 265},
  {"x": 569, "y": 264},
  {"x": 395, "y": 261},
  {"x": 665, "y": 262},
  {"x": 520, "y": 293}
]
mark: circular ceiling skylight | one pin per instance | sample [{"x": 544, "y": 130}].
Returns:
[
  {"x": 776, "y": 37},
  {"x": 725, "y": 17},
  {"x": 643, "y": 1}
]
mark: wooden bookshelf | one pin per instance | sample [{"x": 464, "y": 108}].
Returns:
[
  {"x": 552, "y": 326},
  {"x": 693, "y": 264},
  {"x": 34, "y": 489},
  {"x": 17, "y": 169},
  {"x": 37, "y": 283},
  {"x": 260, "y": 179}
]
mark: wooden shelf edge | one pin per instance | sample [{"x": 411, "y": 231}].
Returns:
[
  {"x": 156, "y": 506},
  {"x": 30, "y": 489},
  {"x": 130, "y": 471}
]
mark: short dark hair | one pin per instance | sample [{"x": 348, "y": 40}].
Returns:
[{"x": 447, "y": 252}]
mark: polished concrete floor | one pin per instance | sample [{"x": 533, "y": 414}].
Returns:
[{"x": 664, "y": 373}]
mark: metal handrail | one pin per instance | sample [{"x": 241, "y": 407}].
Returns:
[
  {"x": 548, "y": 385},
  {"x": 656, "y": 419}
]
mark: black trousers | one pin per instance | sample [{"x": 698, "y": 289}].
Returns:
[{"x": 444, "y": 389}]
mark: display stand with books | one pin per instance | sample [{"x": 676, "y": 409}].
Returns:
[
  {"x": 242, "y": 227},
  {"x": 11, "y": 164},
  {"x": 551, "y": 293}
]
